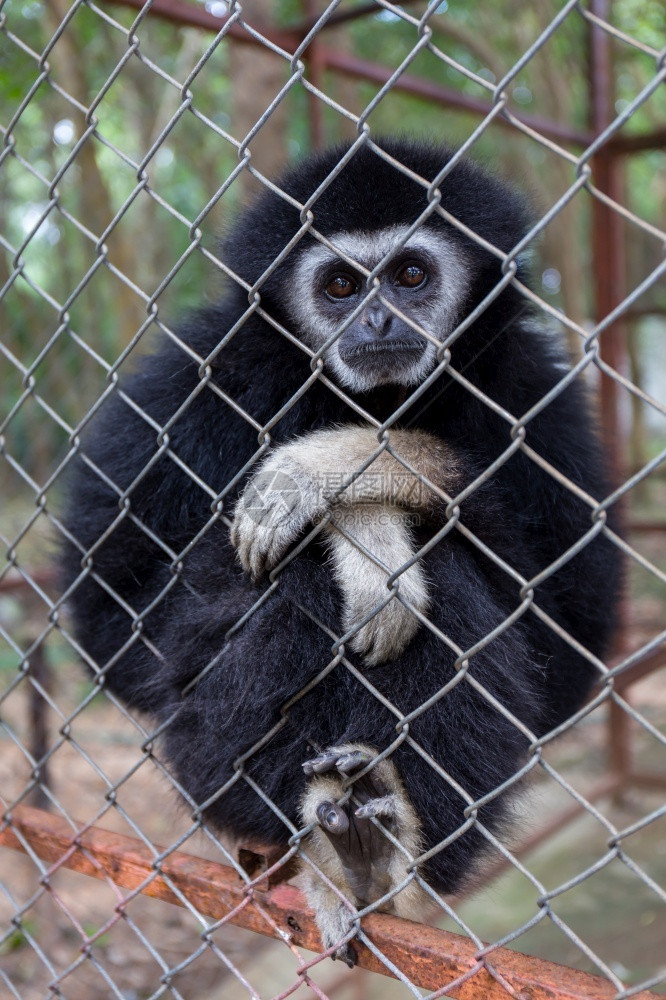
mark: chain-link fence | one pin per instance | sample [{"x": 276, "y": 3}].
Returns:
[{"x": 133, "y": 133}]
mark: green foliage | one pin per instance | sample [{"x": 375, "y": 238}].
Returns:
[
  {"x": 96, "y": 210},
  {"x": 18, "y": 937}
]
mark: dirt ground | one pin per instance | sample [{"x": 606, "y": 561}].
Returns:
[
  {"x": 62, "y": 935},
  {"x": 159, "y": 949}
]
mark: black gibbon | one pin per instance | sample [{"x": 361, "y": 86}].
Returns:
[{"x": 234, "y": 424}]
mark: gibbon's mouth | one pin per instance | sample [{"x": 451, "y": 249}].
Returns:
[{"x": 382, "y": 347}]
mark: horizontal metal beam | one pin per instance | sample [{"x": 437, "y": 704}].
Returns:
[
  {"x": 373, "y": 72},
  {"x": 431, "y": 958},
  {"x": 189, "y": 16},
  {"x": 639, "y": 142},
  {"x": 344, "y": 16}
]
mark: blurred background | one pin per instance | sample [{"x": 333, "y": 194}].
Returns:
[{"x": 125, "y": 130}]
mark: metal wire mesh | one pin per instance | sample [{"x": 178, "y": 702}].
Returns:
[{"x": 55, "y": 751}]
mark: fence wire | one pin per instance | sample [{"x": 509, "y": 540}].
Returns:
[{"x": 83, "y": 756}]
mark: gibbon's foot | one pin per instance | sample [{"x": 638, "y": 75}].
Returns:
[
  {"x": 338, "y": 760},
  {"x": 354, "y": 852},
  {"x": 362, "y": 848}
]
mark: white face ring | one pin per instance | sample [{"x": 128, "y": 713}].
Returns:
[{"x": 367, "y": 250}]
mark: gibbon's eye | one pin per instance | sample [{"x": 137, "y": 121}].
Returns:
[
  {"x": 341, "y": 286},
  {"x": 410, "y": 275}
]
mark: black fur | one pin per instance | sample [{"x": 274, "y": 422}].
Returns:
[{"x": 522, "y": 513}]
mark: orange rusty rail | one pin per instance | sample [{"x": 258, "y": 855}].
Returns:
[{"x": 430, "y": 957}]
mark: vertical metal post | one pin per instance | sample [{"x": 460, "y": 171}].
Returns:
[
  {"x": 609, "y": 274},
  {"x": 38, "y": 713},
  {"x": 315, "y": 63},
  {"x": 609, "y": 277}
]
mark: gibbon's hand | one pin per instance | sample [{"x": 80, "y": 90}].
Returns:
[
  {"x": 301, "y": 480},
  {"x": 275, "y": 507}
]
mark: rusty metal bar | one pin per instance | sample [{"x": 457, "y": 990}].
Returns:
[
  {"x": 363, "y": 69},
  {"x": 647, "y": 779},
  {"x": 39, "y": 577},
  {"x": 189, "y": 16},
  {"x": 185, "y": 14},
  {"x": 654, "y": 660},
  {"x": 647, "y": 527},
  {"x": 431, "y": 957},
  {"x": 608, "y": 282},
  {"x": 313, "y": 60},
  {"x": 38, "y": 723},
  {"x": 623, "y": 144},
  {"x": 343, "y": 17},
  {"x": 181, "y": 13},
  {"x": 638, "y": 312},
  {"x": 607, "y": 242}
]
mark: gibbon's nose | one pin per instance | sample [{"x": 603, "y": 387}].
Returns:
[{"x": 378, "y": 319}]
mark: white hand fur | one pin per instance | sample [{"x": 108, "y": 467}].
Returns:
[{"x": 300, "y": 481}]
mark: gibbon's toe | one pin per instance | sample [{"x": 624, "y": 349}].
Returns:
[
  {"x": 332, "y": 818},
  {"x": 352, "y": 761},
  {"x": 345, "y": 760},
  {"x": 347, "y": 954},
  {"x": 383, "y": 807},
  {"x": 322, "y": 763}
]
